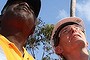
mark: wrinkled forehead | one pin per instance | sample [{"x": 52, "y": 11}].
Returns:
[
  {"x": 19, "y": 1},
  {"x": 10, "y": 2}
]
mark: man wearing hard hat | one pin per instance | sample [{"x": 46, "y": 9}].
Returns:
[
  {"x": 18, "y": 20},
  {"x": 69, "y": 40}
]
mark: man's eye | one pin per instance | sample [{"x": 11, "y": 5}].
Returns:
[{"x": 64, "y": 31}]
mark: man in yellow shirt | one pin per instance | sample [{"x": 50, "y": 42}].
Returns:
[{"x": 18, "y": 20}]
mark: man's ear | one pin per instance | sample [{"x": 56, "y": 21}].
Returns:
[{"x": 58, "y": 50}]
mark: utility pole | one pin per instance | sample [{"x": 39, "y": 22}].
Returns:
[{"x": 72, "y": 8}]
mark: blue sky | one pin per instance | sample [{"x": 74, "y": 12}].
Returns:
[{"x": 54, "y": 10}]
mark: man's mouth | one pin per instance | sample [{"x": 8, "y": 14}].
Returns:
[{"x": 76, "y": 36}]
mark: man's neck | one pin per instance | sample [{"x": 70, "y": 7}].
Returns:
[{"x": 79, "y": 55}]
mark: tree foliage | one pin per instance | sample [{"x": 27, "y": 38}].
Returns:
[{"x": 40, "y": 37}]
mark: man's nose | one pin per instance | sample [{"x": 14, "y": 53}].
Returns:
[
  {"x": 74, "y": 29},
  {"x": 24, "y": 3}
]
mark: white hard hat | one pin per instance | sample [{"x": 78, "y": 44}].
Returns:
[{"x": 64, "y": 22}]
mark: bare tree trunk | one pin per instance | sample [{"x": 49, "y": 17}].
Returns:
[{"x": 72, "y": 8}]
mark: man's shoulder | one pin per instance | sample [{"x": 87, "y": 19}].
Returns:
[{"x": 4, "y": 39}]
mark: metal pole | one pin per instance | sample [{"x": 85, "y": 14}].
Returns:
[{"x": 72, "y": 8}]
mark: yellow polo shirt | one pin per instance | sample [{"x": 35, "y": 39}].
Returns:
[{"x": 8, "y": 51}]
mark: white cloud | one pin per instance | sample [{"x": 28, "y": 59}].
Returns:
[
  {"x": 83, "y": 9},
  {"x": 62, "y": 14}
]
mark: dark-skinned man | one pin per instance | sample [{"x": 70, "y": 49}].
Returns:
[{"x": 18, "y": 20}]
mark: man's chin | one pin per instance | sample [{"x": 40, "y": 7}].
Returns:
[{"x": 80, "y": 43}]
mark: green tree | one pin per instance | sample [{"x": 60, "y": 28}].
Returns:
[{"x": 40, "y": 37}]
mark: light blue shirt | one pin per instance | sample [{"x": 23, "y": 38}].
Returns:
[{"x": 2, "y": 55}]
